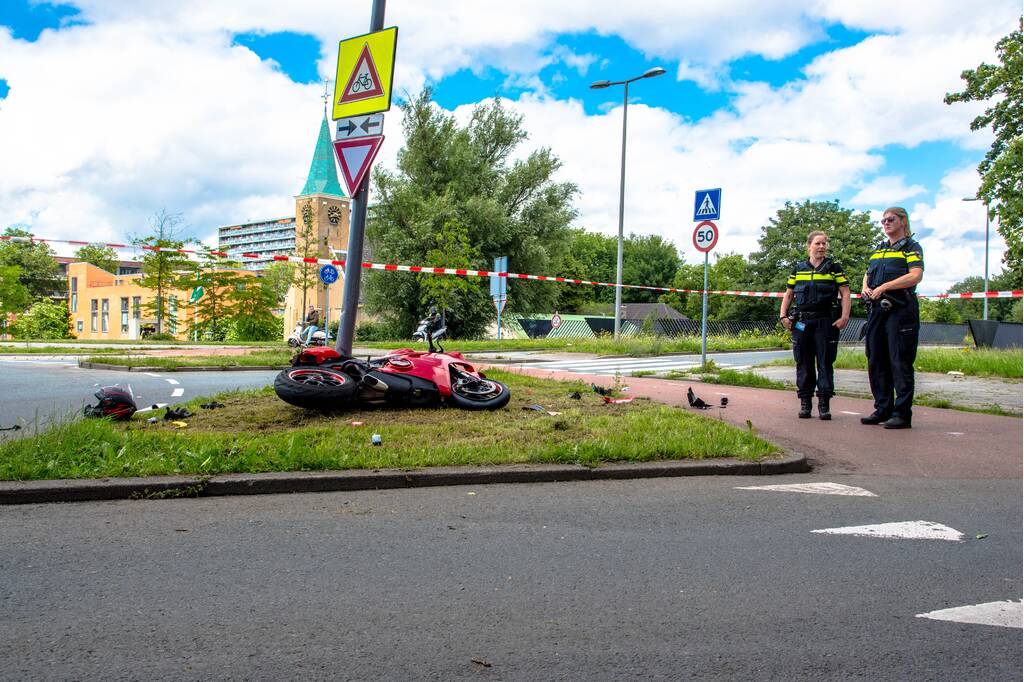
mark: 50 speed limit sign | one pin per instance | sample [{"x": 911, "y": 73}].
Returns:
[{"x": 705, "y": 236}]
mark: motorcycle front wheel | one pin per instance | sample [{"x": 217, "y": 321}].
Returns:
[
  {"x": 474, "y": 393},
  {"x": 317, "y": 388}
]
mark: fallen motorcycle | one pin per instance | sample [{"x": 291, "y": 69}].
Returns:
[{"x": 322, "y": 378}]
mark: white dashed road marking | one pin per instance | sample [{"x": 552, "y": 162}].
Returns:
[
  {"x": 813, "y": 488},
  {"x": 177, "y": 393},
  {"x": 903, "y": 530},
  {"x": 173, "y": 382},
  {"x": 1005, "y": 614},
  {"x": 845, "y": 412},
  {"x": 150, "y": 374}
]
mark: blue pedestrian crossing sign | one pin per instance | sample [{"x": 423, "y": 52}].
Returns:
[{"x": 707, "y": 205}]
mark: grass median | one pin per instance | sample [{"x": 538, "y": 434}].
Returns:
[
  {"x": 976, "y": 362},
  {"x": 257, "y": 432}
]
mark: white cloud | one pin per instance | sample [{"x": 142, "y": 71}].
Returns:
[
  {"x": 885, "y": 189},
  {"x": 151, "y": 108}
]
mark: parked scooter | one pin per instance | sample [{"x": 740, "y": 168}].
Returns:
[
  {"x": 298, "y": 337},
  {"x": 321, "y": 378}
]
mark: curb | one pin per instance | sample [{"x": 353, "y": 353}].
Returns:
[
  {"x": 163, "y": 487},
  {"x": 217, "y": 368}
]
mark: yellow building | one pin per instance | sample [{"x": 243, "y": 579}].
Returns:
[{"x": 111, "y": 307}]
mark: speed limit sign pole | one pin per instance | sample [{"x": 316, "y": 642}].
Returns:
[{"x": 705, "y": 236}]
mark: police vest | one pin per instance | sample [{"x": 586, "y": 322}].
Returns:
[
  {"x": 890, "y": 261},
  {"x": 816, "y": 289}
]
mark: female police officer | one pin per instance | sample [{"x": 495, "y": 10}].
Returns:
[
  {"x": 894, "y": 270},
  {"x": 821, "y": 294}
]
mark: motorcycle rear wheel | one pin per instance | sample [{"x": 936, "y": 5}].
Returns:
[
  {"x": 473, "y": 393},
  {"x": 316, "y": 388}
]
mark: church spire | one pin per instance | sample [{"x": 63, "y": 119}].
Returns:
[{"x": 323, "y": 175}]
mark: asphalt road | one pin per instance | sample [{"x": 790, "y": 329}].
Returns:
[
  {"x": 661, "y": 579},
  {"x": 37, "y": 390}
]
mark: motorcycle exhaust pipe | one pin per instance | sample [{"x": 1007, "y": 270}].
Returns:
[{"x": 374, "y": 383}]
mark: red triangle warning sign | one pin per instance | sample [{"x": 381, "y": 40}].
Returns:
[
  {"x": 355, "y": 156},
  {"x": 364, "y": 82}
]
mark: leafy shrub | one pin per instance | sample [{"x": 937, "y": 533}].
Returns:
[{"x": 43, "y": 320}]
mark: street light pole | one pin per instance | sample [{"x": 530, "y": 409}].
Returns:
[
  {"x": 657, "y": 71},
  {"x": 985, "y": 309}
]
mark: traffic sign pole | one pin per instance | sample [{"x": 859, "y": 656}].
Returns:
[
  {"x": 704, "y": 319},
  {"x": 354, "y": 257}
]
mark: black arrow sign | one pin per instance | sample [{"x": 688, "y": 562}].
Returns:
[
  {"x": 349, "y": 127},
  {"x": 369, "y": 123}
]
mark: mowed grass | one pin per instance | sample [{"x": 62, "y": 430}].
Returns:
[
  {"x": 607, "y": 345},
  {"x": 978, "y": 362},
  {"x": 257, "y": 358},
  {"x": 257, "y": 432}
]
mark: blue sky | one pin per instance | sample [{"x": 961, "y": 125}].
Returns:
[{"x": 111, "y": 111}]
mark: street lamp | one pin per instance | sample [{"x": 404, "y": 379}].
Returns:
[
  {"x": 599, "y": 85},
  {"x": 985, "y": 313}
]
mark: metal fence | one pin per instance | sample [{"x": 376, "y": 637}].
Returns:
[{"x": 581, "y": 326}]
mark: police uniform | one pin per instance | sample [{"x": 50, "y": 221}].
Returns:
[
  {"x": 891, "y": 333},
  {"x": 815, "y": 295}
]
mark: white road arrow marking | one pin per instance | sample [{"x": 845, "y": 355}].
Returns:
[
  {"x": 1005, "y": 614},
  {"x": 812, "y": 488},
  {"x": 904, "y": 530}
]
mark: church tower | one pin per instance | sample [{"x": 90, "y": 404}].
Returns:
[{"x": 321, "y": 227}]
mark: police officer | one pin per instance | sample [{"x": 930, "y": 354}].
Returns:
[
  {"x": 894, "y": 270},
  {"x": 814, "y": 308}
]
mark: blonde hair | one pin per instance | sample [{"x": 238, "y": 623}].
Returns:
[
  {"x": 902, "y": 213},
  {"x": 816, "y": 233}
]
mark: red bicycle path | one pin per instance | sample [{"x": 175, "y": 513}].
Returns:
[{"x": 942, "y": 443}]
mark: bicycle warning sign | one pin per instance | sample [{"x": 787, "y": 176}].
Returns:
[{"x": 366, "y": 65}]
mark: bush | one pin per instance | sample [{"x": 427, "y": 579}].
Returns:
[
  {"x": 43, "y": 320},
  {"x": 255, "y": 328},
  {"x": 161, "y": 337},
  {"x": 374, "y": 330}
]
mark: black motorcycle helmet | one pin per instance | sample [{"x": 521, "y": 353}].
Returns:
[{"x": 114, "y": 401}]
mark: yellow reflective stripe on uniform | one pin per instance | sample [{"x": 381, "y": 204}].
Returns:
[
  {"x": 817, "y": 276},
  {"x": 910, "y": 256},
  {"x": 841, "y": 279}
]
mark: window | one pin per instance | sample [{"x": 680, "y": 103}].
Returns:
[
  {"x": 74, "y": 295},
  {"x": 124, "y": 314},
  {"x": 172, "y": 315},
  {"x": 79, "y": 325},
  {"x": 137, "y": 307},
  {"x": 105, "y": 317},
  {"x": 93, "y": 309}
]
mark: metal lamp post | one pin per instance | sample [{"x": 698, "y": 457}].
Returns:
[
  {"x": 656, "y": 71},
  {"x": 985, "y": 309}
]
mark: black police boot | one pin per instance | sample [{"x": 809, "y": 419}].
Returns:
[
  {"x": 823, "y": 411},
  {"x": 805, "y": 408}
]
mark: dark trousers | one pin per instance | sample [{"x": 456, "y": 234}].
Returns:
[
  {"x": 817, "y": 344},
  {"x": 890, "y": 342}
]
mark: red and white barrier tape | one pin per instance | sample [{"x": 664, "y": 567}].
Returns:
[{"x": 462, "y": 272}]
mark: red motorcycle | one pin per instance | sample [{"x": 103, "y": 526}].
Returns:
[{"x": 322, "y": 378}]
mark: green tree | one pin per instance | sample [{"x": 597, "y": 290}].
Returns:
[
  {"x": 14, "y": 296},
  {"x": 783, "y": 243},
  {"x": 216, "y": 305},
  {"x": 278, "y": 277},
  {"x": 462, "y": 175},
  {"x": 726, "y": 273},
  {"x": 306, "y": 275},
  {"x": 40, "y": 273},
  {"x": 973, "y": 309},
  {"x": 43, "y": 320},
  {"x": 1001, "y": 186},
  {"x": 590, "y": 256},
  {"x": 103, "y": 257},
  {"x": 253, "y": 320},
  {"x": 647, "y": 260},
  {"x": 162, "y": 267}
]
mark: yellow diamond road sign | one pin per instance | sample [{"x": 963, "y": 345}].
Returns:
[{"x": 366, "y": 66}]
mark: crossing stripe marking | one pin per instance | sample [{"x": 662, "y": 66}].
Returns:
[
  {"x": 177, "y": 393},
  {"x": 813, "y": 488},
  {"x": 1004, "y": 614},
  {"x": 904, "y": 530},
  {"x": 173, "y": 382}
]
